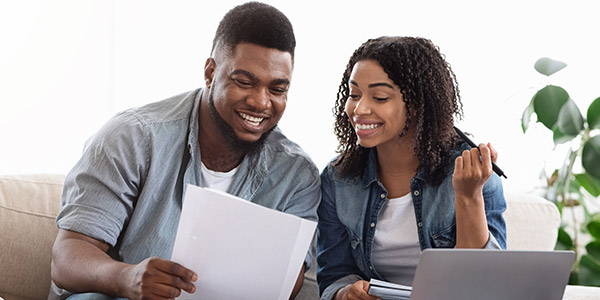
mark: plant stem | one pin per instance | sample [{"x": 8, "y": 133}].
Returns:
[{"x": 567, "y": 201}]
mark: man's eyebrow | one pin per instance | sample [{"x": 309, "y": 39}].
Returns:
[
  {"x": 245, "y": 73},
  {"x": 280, "y": 81},
  {"x": 254, "y": 78}
]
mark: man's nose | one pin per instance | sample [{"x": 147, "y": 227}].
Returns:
[{"x": 259, "y": 99}]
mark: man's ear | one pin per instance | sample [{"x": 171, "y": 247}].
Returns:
[{"x": 209, "y": 71}]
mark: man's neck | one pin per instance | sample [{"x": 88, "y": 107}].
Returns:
[{"x": 215, "y": 152}]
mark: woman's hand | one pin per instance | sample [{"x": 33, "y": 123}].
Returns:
[
  {"x": 358, "y": 290},
  {"x": 471, "y": 172}
]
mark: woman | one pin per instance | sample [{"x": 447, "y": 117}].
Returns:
[{"x": 403, "y": 180}]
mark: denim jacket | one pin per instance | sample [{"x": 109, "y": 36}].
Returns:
[{"x": 348, "y": 216}]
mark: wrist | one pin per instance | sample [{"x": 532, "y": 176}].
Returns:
[
  {"x": 341, "y": 293},
  {"x": 474, "y": 198}
]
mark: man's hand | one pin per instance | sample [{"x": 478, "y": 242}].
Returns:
[
  {"x": 80, "y": 264},
  {"x": 356, "y": 291},
  {"x": 156, "y": 278}
]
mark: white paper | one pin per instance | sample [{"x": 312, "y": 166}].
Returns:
[{"x": 240, "y": 250}]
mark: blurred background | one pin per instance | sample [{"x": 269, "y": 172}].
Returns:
[{"x": 66, "y": 66}]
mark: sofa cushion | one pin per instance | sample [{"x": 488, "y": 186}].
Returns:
[
  {"x": 28, "y": 208},
  {"x": 531, "y": 222}
]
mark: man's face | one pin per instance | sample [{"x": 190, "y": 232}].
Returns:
[{"x": 248, "y": 89}]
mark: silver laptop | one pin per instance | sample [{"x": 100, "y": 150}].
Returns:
[{"x": 459, "y": 274}]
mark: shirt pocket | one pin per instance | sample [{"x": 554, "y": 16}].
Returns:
[{"x": 445, "y": 238}]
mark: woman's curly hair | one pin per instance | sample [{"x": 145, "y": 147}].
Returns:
[{"x": 428, "y": 87}]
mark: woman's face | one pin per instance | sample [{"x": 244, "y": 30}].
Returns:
[{"x": 374, "y": 106}]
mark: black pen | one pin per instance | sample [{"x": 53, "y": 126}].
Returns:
[{"x": 466, "y": 139}]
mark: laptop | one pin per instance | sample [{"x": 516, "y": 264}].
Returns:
[{"x": 459, "y": 274}]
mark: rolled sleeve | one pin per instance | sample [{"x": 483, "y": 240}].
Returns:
[{"x": 100, "y": 191}]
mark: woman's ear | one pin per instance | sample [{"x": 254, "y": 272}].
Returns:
[{"x": 209, "y": 71}]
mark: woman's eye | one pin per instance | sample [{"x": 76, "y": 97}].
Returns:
[
  {"x": 381, "y": 99},
  {"x": 353, "y": 96}
]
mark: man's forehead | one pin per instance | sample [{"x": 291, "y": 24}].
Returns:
[{"x": 258, "y": 59}]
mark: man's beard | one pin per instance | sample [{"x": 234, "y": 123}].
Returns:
[{"x": 234, "y": 143}]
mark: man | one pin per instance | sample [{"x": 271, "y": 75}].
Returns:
[{"x": 122, "y": 201}]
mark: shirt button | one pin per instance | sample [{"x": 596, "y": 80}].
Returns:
[
  {"x": 382, "y": 196},
  {"x": 416, "y": 193},
  {"x": 372, "y": 224},
  {"x": 420, "y": 224},
  {"x": 370, "y": 267}
]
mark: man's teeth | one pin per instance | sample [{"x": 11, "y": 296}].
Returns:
[
  {"x": 366, "y": 126},
  {"x": 250, "y": 119}
]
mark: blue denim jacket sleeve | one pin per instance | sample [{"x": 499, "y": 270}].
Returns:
[
  {"x": 495, "y": 205},
  {"x": 336, "y": 266}
]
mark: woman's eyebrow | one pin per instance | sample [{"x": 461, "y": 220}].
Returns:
[
  {"x": 372, "y": 85},
  {"x": 376, "y": 84}
]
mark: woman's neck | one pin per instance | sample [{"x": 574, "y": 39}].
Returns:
[{"x": 397, "y": 165}]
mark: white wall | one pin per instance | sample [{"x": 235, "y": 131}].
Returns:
[{"x": 67, "y": 66}]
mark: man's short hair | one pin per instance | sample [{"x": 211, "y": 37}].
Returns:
[{"x": 255, "y": 23}]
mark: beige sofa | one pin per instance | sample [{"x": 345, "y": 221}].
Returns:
[{"x": 29, "y": 204}]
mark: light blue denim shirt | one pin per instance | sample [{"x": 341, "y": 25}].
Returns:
[
  {"x": 127, "y": 188},
  {"x": 348, "y": 216}
]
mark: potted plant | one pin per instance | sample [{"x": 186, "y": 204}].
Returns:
[{"x": 577, "y": 181}]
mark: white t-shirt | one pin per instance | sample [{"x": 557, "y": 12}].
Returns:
[
  {"x": 396, "y": 248},
  {"x": 217, "y": 180}
]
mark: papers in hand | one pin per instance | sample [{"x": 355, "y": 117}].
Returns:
[
  {"x": 240, "y": 250},
  {"x": 389, "y": 291}
]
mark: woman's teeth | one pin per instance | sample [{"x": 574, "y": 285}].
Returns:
[
  {"x": 250, "y": 119},
  {"x": 366, "y": 126}
]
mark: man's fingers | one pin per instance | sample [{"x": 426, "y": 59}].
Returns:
[
  {"x": 178, "y": 276},
  {"x": 176, "y": 269},
  {"x": 167, "y": 291}
]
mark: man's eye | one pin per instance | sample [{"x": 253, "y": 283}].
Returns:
[
  {"x": 381, "y": 99},
  {"x": 278, "y": 91},
  {"x": 242, "y": 82}
]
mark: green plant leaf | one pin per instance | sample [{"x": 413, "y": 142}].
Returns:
[
  {"x": 593, "y": 114},
  {"x": 548, "y": 66},
  {"x": 593, "y": 249},
  {"x": 570, "y": 120},
  {"x": 559, "y": 138},
  {"x": 526, "y": 117},
  {"x": 589, "y": 271},
  {"x": 590, "y": 157},
  {"x": 593, "y": 228},
  {"x": 589, "y": 183},
  {"x": 547, "y": 103},
  {"x": 564, "y": 241}
]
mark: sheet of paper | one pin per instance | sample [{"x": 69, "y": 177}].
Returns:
[{"x": 239, "y": 249}]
